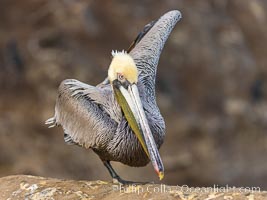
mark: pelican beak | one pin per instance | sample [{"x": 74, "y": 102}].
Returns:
[{"x": 128, "y": 98}]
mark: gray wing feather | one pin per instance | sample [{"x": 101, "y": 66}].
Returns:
[
  {"x": 147, "y": 51},
  {"x": 68, "y": 139},
  {"x": 85, "y": 113}
]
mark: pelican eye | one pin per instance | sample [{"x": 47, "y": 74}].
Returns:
[{"x": 121, "y": 77}]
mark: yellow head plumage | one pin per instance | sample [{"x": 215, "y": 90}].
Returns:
[{"x": 122, "y": 64}]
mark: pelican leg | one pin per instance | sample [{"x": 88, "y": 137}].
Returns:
[{"x": 116, "y": 178}]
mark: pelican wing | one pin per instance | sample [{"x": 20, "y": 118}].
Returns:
[
  {"x": 147, "y": 47},
  {"x": 85, "y": 113}
]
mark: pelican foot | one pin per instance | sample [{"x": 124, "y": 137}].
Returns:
[
  {"x": 116, "y": 179},
  {"x": 119, "y": 180}
]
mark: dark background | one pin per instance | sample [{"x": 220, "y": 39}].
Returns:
[{"x": 211, "y": 86}]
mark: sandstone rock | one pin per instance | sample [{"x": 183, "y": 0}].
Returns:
[{"x": 40, "y": 188}]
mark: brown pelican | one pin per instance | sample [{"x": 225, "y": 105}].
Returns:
[{"x": 119, "y": 118}]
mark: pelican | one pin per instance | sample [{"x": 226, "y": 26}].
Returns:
[{"x": 119, "y": 119}]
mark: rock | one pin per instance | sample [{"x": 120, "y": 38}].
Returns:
[{"x": 40, "y": 188}]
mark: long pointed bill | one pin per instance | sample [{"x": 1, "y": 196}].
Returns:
[{"x": 131, "y": 105}]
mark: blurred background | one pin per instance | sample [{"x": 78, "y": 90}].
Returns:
[{"x": 211, "y": 86}]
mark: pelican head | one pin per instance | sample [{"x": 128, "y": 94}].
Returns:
[
  {"x": 123, "y": 76},
  {"x": 122, "y": 68}
]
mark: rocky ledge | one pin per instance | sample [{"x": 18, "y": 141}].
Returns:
[{"x": 39, "y": 188}]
